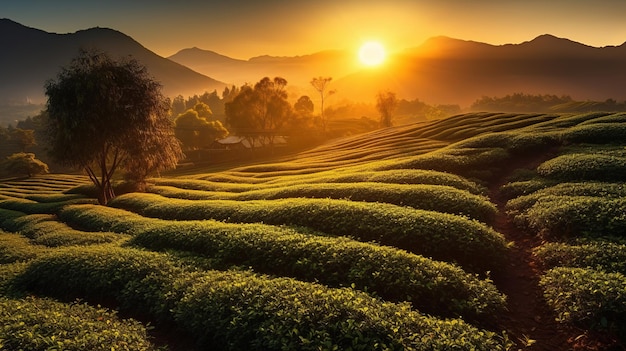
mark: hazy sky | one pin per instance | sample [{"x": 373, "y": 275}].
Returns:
[{"x": 246, "y": 28}]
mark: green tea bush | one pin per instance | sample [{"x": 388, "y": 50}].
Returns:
[
  {"x": 520, "y": 188},
  {"x": 34, "y": 207},
  {"x": 394, "y": 176},
  {"x": 514, "y": 142},
  {"x": 600, "y": 254},
  {"x": 16, "y": 248},
  {"x": 586, "y": 296},
  {"x": 479, "y": 163},
  {"x": 587, "y": 189},
  {"x": 45, "y": 230},
  {"x": 577, "y": 167},
  {"x": 427, "y": 197},
  {"x": 133, "y": 278},
  {"x": 238, "y": 311},
  {"x": 433, "y": 287},
  {"x": 604, "y": 133},
  {"x": 577, "y": 215},
  {"x": 442, "y": 236},
  {"x": 41, "y": 324},
  {"x": 612, "y": 118}
]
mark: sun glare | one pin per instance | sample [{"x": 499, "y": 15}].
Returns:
[{"x": 372, "y": 53}]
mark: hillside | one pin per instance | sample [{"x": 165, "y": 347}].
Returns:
[
  {"x": 30, "y": 56},
  {"x": 415, "y": 237}
]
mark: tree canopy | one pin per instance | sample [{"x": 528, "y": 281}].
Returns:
[
  {"x": 386, "y": 103},
  {"x": 105, "y": 115},
  {"x": 194, "y": 130},
  {"x": 262, "y": 109}
]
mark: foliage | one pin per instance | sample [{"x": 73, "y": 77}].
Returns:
[
  {"x": 577, "y": 215},
  {"x": 103, "y": 114},
  {"x": 23, "y": 164},
  {"x": 597, "y": 254},
  {"x": 584, "y": 166},
  {"x": 433, "y": 287},
  {"x": 262, "y": 109},
  {"x": 445, "y": 237},
  {"x": 586, "y": 297},
  {"x": 386, "y": 103},
  {"x": 43, "y": 324},
  {"x": 320, "y": 84},
  {"x": 519, "y": 102},
  {"x": 15, "y": 248},
  {"x": 438, "y": 198},
  {"x": 195, "y": 131},
  {"x": 255, "y": 313},
  {"x": 238, "y": 310}
]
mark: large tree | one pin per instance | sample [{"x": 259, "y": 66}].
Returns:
[
  {"x": 259, "y": 110},
  {"x": 106, "y": 115}
]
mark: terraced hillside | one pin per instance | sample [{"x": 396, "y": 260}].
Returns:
[{"x": 482, "y": 231}]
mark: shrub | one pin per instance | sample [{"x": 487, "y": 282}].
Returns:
[
  {"x": 576, "y": 167},
  {"x": 481, "y": 163},
  {"x": 443, "y": 236},
  {"x": 597, "y": 254},
  {"x": 23, "y": 164},
  {"x": 603, "y": 133},
  {"x": 433, "y": 287},
  {"x": 586, "y": 296},
  {"x": 136, "y": 279},
  {"x": 42, "y": 324},
  {"x": 256, "y": 313},
  {"x": 15, "y": 248},
  {"x": 427, "y": 197},
  {"x": 46, "y": 230},
  {"x": 239, "y": 310},
  {"x": 578, "y": 215}
]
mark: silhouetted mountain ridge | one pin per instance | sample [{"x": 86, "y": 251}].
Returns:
[{"x": 30, "y": 56}]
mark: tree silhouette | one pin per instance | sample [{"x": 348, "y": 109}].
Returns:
[
  {"x": 105, "y": 115},
  {"x": 386, "y": 103},
  {"x": 321, "y": 84}
]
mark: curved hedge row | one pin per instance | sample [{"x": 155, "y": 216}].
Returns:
[
  {"x": 597, "y": 254},
  {"x": 393, "y": 176},
  {"x": 443, "y": 236},
  {"x": 586, "y": 296},
  {"x": 16, "y": 248},
  {"x": 237, "y": 310},
  {"x": 585, "y": 166},
  {"x": 577, "y": 215},
  {"x": 45, "y": 230},
  {"x": 433, "y": 287},
  {"x": 43, "y": 325},
  {"x": 438, "y": 198}
]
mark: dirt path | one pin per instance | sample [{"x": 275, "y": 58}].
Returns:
[{"x": 528, "y": 322}]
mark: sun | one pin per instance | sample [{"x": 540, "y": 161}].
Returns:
[{"x": 372, "y": 53}]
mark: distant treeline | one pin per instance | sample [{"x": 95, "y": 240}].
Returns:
[{"x": 520, "y": 102}]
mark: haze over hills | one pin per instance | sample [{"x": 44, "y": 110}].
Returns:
[
  {"x": 440, "y": 71},
  {"x": 445, "y": 70},
  {"x": 298, "y": 70},
  {"x": 30, "y": 56}
]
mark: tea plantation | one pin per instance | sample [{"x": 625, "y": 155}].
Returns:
[{"x": 378, "y": 241}]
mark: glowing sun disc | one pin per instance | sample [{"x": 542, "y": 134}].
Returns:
[{"x": 372, "y": 53}]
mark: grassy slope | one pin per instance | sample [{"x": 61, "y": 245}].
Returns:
[{"x": 374, "y": 187}]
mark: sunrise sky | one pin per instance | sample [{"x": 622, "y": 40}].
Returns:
[{"x": 243, "y": 29}]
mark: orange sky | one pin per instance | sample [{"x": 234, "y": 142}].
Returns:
[{"x": 247, "y": 28}]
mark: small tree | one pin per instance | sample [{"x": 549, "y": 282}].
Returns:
[
  {"x": 105, "y": 115},
  {"x": 386, "y": 103},
  {"x": 321, "y": 84},
  {"x": 23, "y": 163}
]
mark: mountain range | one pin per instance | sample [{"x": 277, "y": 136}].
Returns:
[
  {"x": 29, "y": 57},
  {"x": 440, "y": 71}
]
